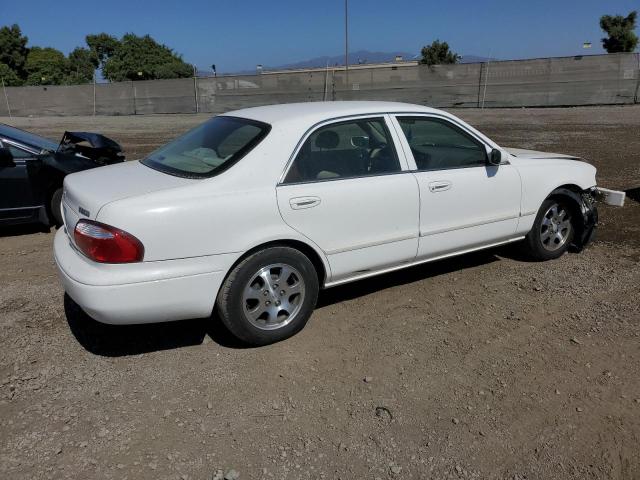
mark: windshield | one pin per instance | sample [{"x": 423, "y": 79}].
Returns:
[
  {"x": 209, "y": 148},
  {"x": 28, "y": 139}
]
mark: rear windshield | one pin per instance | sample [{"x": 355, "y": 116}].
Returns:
[{"x": 209, "y": 148}]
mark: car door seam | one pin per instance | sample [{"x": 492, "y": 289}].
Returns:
[
  {"x": 327, "y": 265},
  {"x": 370, "y": 244}
]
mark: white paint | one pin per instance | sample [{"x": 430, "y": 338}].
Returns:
[{"x": 194, "y": 231}]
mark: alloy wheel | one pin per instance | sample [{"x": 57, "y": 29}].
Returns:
[
  {"x": 273, "y": 297},
  {"x": 555, "y": 228}
]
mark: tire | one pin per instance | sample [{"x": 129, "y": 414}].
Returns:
[
  {"x": 552, "y": 232},
  {"x": 253, "y": 302},
  {"x": 55, "y": 215}
]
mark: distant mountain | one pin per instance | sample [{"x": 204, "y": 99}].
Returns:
[
  {"x": 365, "y": 56},
  {"x": 359, "y": 57}
]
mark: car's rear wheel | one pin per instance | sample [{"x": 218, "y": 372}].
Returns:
[
  {"x": 55, "y": 215},
  {"x": 552, "y": 230},
  {"x": 269, "y": 296}
]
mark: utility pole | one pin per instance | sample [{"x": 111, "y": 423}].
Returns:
[
  {"x": 195, "y": 87},
  {"x": 6, "y": 97},
  {"x": 346, "y": 41},
  {"x": 94, "y": 93},
  {"x": 326, "y": 83},
  {"x": 486, "y": 79}
]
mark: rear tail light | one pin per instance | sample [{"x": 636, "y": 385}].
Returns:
[{"x": 107, "y": 244}]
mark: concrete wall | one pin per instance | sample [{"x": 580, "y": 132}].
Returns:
[{"x": 582, "y": 80}]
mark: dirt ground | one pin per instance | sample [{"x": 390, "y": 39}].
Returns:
[{"x": 483, "y": 366}]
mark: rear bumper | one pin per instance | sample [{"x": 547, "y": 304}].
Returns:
[{"x": 145, "y": 292}]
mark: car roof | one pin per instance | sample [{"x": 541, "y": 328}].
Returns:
[{"x": 314, "y": 112}]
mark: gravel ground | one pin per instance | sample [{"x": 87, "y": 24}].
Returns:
[{"x": 483, "y": 366}]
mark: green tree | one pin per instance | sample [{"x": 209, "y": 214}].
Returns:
[
  {"x": 142, "y": 58},
  {"x": 622, "y": 37},
  {"x": 438, "y": 53},
  {"x": 102, "y": 45},
  {"x": 46, "y": 66},
  {"x": 9, "y": 76},
  {"x": 82, "y": 65},
  {"x": 130, "y": 58},
  {"x": 13, "y": 49}
]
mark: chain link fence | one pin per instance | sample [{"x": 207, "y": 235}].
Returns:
[{"x": 564, "y": 81}]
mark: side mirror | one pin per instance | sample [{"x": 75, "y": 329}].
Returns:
[
  {"x": 495, "y": 157},
  {"x": 6, "y": 158}
]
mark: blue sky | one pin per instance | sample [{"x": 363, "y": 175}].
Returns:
[{"x": 237, "y": 35}]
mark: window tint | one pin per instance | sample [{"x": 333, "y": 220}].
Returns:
[
  {"x": 27, "y": 138},
  {"x": 437, "y": 144},
  {"x": 355, "y": 148},
  {"x": 209, "y": 148},
  {"x": 18, "y": 152}
]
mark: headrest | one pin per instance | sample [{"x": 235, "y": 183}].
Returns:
[{"x": 327, "y": 139}]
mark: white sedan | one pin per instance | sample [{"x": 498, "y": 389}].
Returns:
[{"x": 254, "y": 211}]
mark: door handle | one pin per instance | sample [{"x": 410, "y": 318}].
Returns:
[
  {"x": 298, "y": 203},
  {"x": 440, "y": 186}
]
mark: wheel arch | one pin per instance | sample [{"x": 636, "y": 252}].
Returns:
[{"x": 320, "y": 265}]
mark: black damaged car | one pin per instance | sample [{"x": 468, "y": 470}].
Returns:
[{"x": 32, "y": 169}]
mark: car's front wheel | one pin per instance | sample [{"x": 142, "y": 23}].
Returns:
[
  {"x": 269, "y": 296},
  {"x": 552, "y": 230}
]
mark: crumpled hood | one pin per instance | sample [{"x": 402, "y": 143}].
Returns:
[{"x": 534, "y": 154}]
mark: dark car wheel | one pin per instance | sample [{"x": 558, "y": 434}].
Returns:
[
  {"x": 269, "y": 296},
  {"x": 55, "y": 215},
  {"x": 552, "y": 230}
]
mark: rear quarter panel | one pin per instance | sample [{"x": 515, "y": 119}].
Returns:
[
  {"x": 209, "y": 219},
  {"x": 232, "y": 212}
]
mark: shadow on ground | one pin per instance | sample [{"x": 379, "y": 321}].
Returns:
[
  {"x": 409, "y": 275},
  {"x": 634, "y": 194},
  {"x": 24, "y": 229},
  {"x": 122, "y": 340}
]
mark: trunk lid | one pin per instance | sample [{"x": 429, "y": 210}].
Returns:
[{"x": 85, "y": 193}]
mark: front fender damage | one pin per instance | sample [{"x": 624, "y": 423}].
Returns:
[{"x": 584, "y": 206}]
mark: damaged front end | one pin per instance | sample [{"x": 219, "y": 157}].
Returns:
[
  {"x": 584, "y": 206},
  {"x": 93, "y": 146},
  {"x": 590, "y": 212}
]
